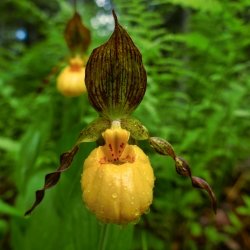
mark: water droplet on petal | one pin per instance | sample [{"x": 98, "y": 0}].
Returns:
[
  {"x": 137, "y": 214},
  {"x": 114, "y": 195}
]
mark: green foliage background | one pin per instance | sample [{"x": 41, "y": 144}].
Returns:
[{"x": 196, "y": 54}]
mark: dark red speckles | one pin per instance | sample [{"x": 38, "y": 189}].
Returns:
[
  {"x": 122, "y": 145},
  {"x": 110, "y": 147}
]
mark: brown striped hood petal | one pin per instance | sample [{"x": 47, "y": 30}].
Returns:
[
  {"x": 77, "y": 35},
  {"x": 115, "y": 77}
]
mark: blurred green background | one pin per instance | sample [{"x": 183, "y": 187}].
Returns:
[{"x": 197, "y": 56}]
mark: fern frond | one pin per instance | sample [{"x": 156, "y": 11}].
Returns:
[{"x": 213, "y": 6}]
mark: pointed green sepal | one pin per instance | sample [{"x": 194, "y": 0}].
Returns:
[
  {"x": 115, "y": 77},
  {"x": 136, "y": 128},
  {"x": 93, "y": 131}
]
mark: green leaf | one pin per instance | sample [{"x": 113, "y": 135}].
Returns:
[
  {"x": 8, "y": 144},
  {"x": 3, "y": 226},
  {"x": 209, "y": 5},
  {"x": 7, "y": 209}
]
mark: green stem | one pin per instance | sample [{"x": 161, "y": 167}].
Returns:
[
  {"x": 103, "y": 237},
  {"x": 144, "y": 241},
  {"x": 74, "y": 5}
]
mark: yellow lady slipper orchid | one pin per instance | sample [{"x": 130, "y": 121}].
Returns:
[
  {"x": 117, "y": 179},
  {"x": 70, "y": 82}
]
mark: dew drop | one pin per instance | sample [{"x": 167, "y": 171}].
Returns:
[
  {"x": 114, "y": 195},
  {"x": 137, "y": 214},
  {"x": 136, "y": 221}
]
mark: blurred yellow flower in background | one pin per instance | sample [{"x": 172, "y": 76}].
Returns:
[{"x": 70, "y": 81}]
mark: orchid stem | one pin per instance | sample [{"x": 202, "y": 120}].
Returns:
[
  {"x": 74, "y": 5},
  {"x": 144, "y": 241},
  {"x": 103, "y": 237}
]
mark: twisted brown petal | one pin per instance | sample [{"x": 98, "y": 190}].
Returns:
[
  {"x": 200, "y": 183},
  {"x": 182, "y": 168},
  {"x": 51, "y": 179},
  {"x": 115, "y": 77},
  {"x": 163, "y": 147}
]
